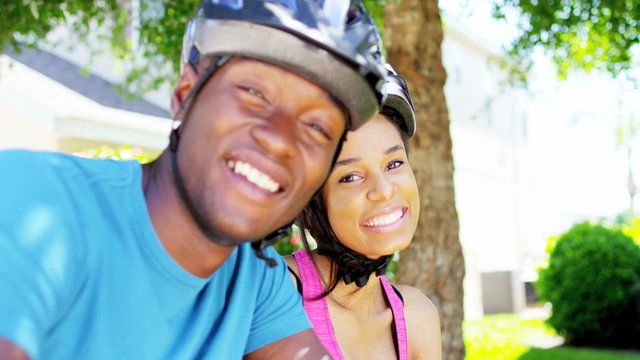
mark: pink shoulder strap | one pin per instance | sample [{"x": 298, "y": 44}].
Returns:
[
  {"x": 317, "y": 310},
  {"x": 397, "y": 308}
]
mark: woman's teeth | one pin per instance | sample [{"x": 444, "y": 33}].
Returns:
[
  {"x": 254, "y": 175},
  {"x": 384, "y": 219}
]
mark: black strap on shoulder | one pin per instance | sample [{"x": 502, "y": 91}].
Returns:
[
  {"x": 398, "y": 293},
  {"x": 298, "y": 281}
]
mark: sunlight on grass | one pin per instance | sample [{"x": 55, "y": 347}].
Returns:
[
  {"x": 568, "y": 353},
  {"x": 501, "y": 337},
  {"x": 505, "y": 337}
]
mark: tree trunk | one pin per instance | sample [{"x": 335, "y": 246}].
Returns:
[{"x": 434, "y": 262}]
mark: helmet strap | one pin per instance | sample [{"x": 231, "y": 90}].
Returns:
[
  {"x": 269, "y": 240},
  {"x": 174, "y": 137},
  {"x": 355, "y": 267}
]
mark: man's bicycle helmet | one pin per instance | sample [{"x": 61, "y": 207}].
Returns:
[{"x": 333, "y": 43}]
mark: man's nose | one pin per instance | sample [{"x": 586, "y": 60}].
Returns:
[{"x": 276, "y": 135}]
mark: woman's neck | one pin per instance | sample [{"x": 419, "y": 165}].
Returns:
[{"x": 369, "y": 298}]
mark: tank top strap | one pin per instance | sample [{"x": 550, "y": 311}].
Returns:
[
  {"x": 317, "y": 310},
  {"x": 397, "y": 308},
  {"x": 311, "y": 283}
]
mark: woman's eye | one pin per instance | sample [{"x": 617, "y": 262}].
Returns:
[
  {"x": 349, "y": 178},
  {"x": 395, "y": 164}
]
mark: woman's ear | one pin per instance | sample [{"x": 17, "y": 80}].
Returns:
[{"x": 181, "y": 92}]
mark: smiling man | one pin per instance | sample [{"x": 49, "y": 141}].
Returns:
[{"x": 104, "y": 259}]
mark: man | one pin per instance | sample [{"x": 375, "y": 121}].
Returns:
[{"x": 105, "y": 259}]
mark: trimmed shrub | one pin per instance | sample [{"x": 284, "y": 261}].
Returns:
[{"x": 589, "y": 282}]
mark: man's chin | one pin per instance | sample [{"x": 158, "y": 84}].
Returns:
[{"x": 229, "y": 240}]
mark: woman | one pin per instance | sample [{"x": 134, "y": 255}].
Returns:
[{"x": 367, "y": 210}]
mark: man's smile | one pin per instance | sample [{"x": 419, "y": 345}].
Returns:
[{"x": 254, "y": 176}]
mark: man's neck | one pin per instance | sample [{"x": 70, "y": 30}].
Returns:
[{"x": 176, "y": 229}]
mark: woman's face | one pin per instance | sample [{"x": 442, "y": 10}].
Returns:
[{"x": 371, "y": 195}]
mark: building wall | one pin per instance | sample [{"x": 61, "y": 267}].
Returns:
[
  {"x": 39, "y": 113},
  {"x": 490, "y": 149}
]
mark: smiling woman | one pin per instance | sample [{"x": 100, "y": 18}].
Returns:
[
  {"x": 371, "y": 196},
  {"x": 367, "y": 210}
]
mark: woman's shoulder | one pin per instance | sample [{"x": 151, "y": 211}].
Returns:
[
  {"x": 423, "y": 324},
  {"x": 417, "y": 303}
]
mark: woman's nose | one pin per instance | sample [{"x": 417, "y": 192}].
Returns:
[{"x": 383, "y": 188}]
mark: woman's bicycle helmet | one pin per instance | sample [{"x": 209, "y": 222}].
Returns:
[
  {"x": 333, "y": 43},
  {"x": 399, "y": 101}
]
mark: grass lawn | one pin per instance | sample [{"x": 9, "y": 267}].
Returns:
[{"x": 505, "y": 337}]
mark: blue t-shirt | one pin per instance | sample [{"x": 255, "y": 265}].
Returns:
[{"x": 84, "y": 276}]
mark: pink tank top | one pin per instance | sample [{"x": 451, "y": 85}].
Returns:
[{"x": 318, "y": 310}]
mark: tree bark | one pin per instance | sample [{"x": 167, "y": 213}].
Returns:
[{"x": 434, "y": 262}]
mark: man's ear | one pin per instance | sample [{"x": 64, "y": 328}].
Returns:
[{"x": 181, "y": 92}]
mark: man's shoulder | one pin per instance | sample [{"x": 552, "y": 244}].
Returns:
[
  {"x": 244, "y": 267},
  {"x": 49, "y": 169},
  {"x": 60, "y": 187}
]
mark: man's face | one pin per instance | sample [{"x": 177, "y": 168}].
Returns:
[{"x": 255, "y": 147}]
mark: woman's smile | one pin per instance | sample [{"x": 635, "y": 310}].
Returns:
[{"x": 387, "y": 222}]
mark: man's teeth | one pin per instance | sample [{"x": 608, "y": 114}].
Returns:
[
  {"x": 385, "y": 219},
  {"x": 254, "y": 175}
]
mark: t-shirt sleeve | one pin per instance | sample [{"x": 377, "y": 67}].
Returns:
[
  {"x": 278, "y": 312},
  {"x": 35, "y": 261}
]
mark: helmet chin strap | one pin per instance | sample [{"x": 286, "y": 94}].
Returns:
[
  {"x": 355, "y": 267},
  {"x": 352, "y": 266},
  {"x": 205, "y": 227},
  {"x": 269, "y": 240}
]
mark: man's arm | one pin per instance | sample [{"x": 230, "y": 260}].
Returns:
[
  {"x": 300, "y": 346},
  {"x": 39, "y": 266},
  {"x": 280, "y": 328},
  {"x": 9, "y": 351}
]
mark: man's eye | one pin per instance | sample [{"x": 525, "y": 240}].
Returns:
[
  {"x": 349, "y": 178},
  {"x": 253, "y": 91},
  {"x": 395, "y": 164},
  {"x": 321, "y": 130}
]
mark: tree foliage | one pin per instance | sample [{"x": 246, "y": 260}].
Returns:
[
  {"x": 579, "y": 34},
  {"x": 145, "y": 36}
]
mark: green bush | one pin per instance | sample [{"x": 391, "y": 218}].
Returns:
[{"x": 588, "y": 281}]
